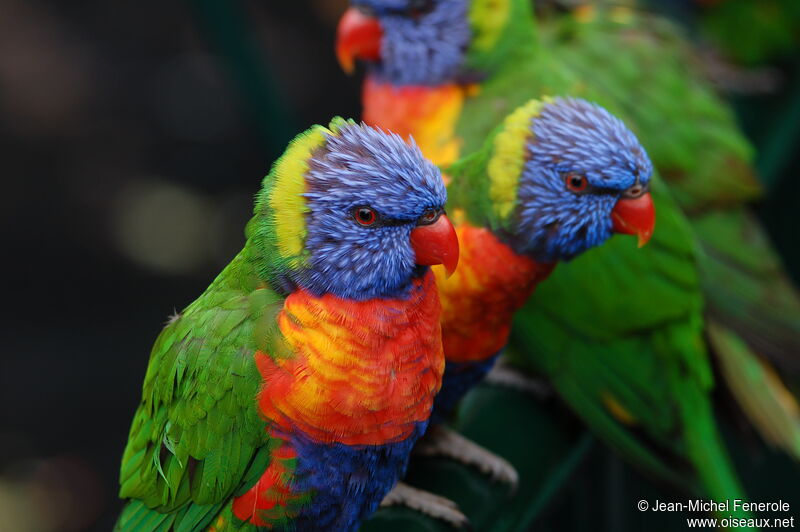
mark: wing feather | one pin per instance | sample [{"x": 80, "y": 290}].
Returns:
[{"x": 197, "y": 438}]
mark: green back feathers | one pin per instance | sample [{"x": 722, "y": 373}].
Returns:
[
  {"x": 277, "y": 232},
  {"x": 689, "y": 132},
  {"x": 561, "y": 54}
]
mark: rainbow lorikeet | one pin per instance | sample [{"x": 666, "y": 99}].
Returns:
[
  {"x": 557, "y": 177},
  {"x": 289, "y": 395},
  {"x": 628, "y": 354}
]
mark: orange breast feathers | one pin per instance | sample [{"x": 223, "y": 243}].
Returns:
[
  {"x": 429, "y": 114},
  {"x": 361, "y": 373},
  {"x": 479, "y": 300}
]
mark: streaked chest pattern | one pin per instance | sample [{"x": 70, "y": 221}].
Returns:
[
  {"x": 429, "y": 114},
  {"x": 361, "y": 373},
  {"x": 479, "y": 300}
]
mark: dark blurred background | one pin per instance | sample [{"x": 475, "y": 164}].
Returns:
[{"x": 132, "y": 138}]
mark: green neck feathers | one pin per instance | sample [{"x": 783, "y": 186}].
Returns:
[{"x": 277, "y": 232}]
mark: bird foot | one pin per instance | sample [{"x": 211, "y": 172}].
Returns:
[
  {"x": 426, "y": 503},
  {"x": 506, "y": 376},
  {"x": 441, "y": 441}
]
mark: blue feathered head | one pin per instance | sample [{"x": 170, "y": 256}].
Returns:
[
  {"x": 351, "y": 211},
  {"x": 563, "y": 175},
  {"x": 407, "y": 42}
]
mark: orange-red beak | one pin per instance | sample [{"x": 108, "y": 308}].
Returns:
[
  {"x": 359, "y": 37},
  {"x": 635, "y": 216},
  {"x": 436, "y": 243}
]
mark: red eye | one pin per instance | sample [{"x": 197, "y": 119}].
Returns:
[
  {"x": 364, "y": 215},
  {"x": 576, "y": 183},
  {"x": 428, "y": 217}
]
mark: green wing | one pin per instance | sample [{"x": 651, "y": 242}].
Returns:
[
  {"x": 197, "y": 438},
  {"x": 618, "y": 332}
]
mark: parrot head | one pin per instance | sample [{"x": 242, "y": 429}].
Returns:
[
  {"x": 351, "y": 211},
  {"x": 406, "y": 42},
  {"x": 564, "y": 175}
]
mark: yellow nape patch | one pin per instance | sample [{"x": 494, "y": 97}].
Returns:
[
  {"x": 287, "y": 201},
  {"x": 488, "y": 18},
  {"x": 617, "y": 410},
  {"x": 508, "y": 157}
]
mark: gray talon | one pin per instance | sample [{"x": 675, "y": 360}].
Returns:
[
  {"x": 506, "y": 376},
  {"x": 426, "y": 503},
  {"x": 441, "y": 441}
]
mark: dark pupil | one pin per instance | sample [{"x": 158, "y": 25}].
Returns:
[
  {"x": 577, "y": 182},
  {"x": 429, "y": 215},
  {"x": 365, "y": 215}
]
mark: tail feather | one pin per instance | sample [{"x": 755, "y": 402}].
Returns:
[
  {"x": 136, "y": 516},
  {"x": 758, "y": 390},
  {"x": 708, "y": 454}
]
